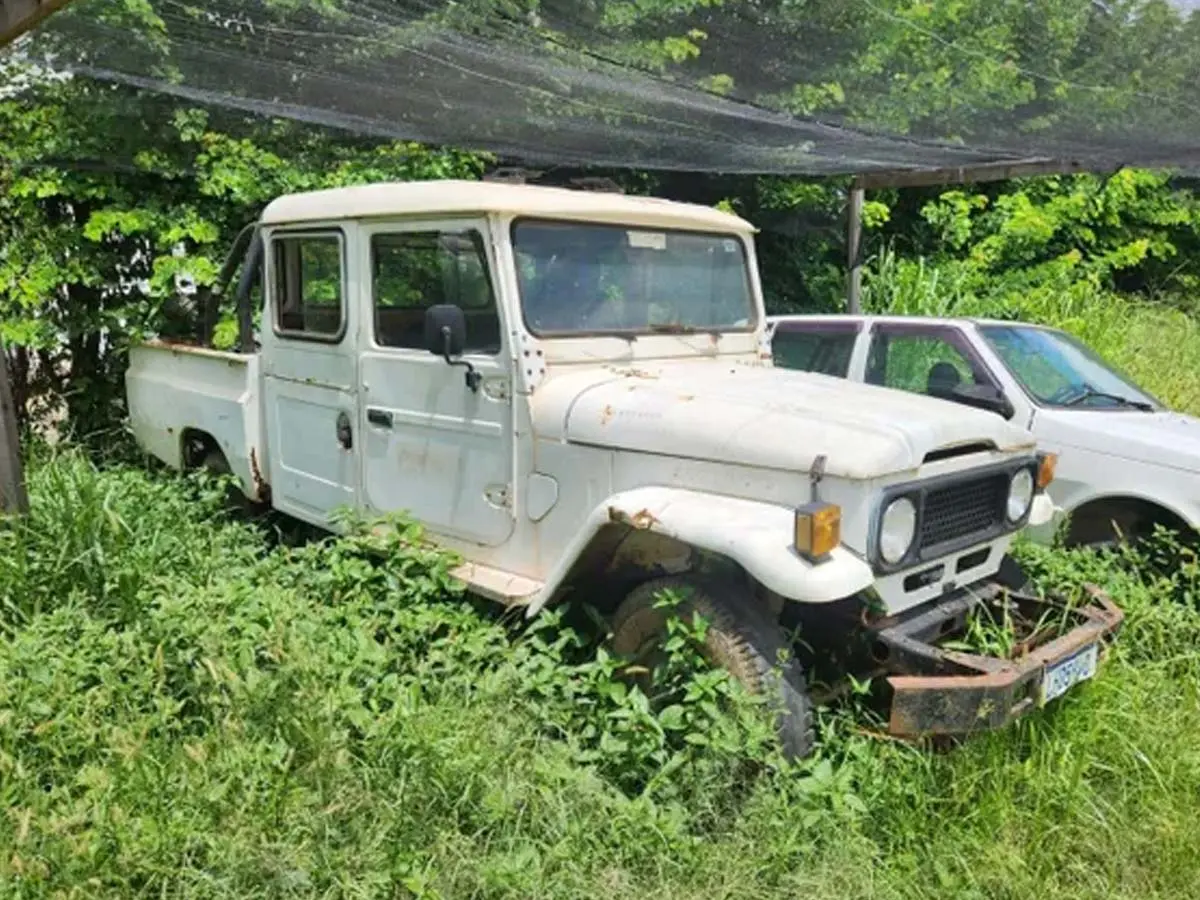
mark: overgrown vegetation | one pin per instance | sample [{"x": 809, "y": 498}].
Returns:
[{"x": 193, "y": 708}]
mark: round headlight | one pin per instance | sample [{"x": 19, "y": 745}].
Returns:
[
  {"x": 1020, "y": 495},
  {"x": 897, "y": 530}
]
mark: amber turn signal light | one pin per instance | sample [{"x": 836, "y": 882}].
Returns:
[
  {"x": 1047, "y": 463},
  {"x": 818, "y": 530}
]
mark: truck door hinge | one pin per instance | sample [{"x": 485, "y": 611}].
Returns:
[
  {"x": 496, "y": 388},
  {"x": 498, "y": 495}
]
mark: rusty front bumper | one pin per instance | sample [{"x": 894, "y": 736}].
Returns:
[{"x": 944, "y": 691}]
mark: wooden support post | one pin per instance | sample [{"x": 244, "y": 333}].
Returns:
[
  {"x": 20, "y": 16},
  {"x": 853, "y": 250},
  {"x": 13, "y": 499}
]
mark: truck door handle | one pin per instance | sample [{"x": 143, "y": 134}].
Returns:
[{"x": 379, "y": 417}]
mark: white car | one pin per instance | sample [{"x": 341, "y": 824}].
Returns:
[
  {"x": 571, "y": 390},
  {"x": 1126, "y": 463}
]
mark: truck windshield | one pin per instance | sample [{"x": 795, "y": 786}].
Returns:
[
  {"x": 1058, "y": 370},
  {"x": 586, "y": 278}
]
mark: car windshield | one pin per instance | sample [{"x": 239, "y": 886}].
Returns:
[
  {"x": 586, "y": 278},
  {"x": 1058, "y": 370}
]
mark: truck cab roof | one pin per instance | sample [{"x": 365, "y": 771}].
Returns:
[{"x": 456, "y": 197}]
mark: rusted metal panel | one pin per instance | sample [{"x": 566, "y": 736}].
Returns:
[
  {"x": 262, "y": 490},
  {"x": 940, "y": 691}
]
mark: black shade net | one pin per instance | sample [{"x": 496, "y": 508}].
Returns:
[{"x": 813, "y": 87}]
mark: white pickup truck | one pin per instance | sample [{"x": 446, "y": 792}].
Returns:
[
  {"x": 572, "y": 391},
  {"x": 1126, "y": 463}
]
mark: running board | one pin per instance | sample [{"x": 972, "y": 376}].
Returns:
[{"x": 497, "y": 584}]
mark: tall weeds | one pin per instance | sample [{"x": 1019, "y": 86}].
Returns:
[{"x": 192, "y": 710}]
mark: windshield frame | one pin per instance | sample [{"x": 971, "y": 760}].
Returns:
[
  {"x": 1080, "y": 346},
  {"x": 753, "y": 288}
]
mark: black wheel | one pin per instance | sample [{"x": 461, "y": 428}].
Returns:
[
  {"x": 740, "y": 639},
  {"x": 1107, "y": 530},
  {"x": 214, "y": 461}
]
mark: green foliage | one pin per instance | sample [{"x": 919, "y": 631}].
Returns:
[
  {"x": 194, "y": 709},
  {"x": 687, "y": 732},
  {"x": 210, "y": 714},
  {"x": 1126, "y": 230},
  {"x": 116, "y": 209},
  {"x": 802, "y": 244}
]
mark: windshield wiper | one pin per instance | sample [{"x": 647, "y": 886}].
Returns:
[
  {"x": 1089, "y": 392},
  {"x": 669, "y": 328}
]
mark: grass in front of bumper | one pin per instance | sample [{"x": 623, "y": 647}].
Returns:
[
  {"x": 189, "y": 712},
  {"x": 1087, "y": 798},
  {"x": 997, "y": 628}
]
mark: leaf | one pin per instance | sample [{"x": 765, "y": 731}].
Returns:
[{"x": 673, "y": 718}]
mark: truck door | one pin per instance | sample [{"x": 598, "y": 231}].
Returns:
[
  {"x": 309, "y": 369},
  {"x": 431, "y": 446}
]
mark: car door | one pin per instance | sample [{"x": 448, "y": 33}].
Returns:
[
  {"x": 822, "y": 346},
  {"x": 432, "y": 447},
  {"x": 309, "y": 373},
  {"x": 922, "y": 358}
]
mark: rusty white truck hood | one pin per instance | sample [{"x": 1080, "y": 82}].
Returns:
[{"x": 758, "y": 416}]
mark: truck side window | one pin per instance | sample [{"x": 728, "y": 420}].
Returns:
[
  {"x": 414, "y": 270},
  {"x": 308, "y": 290},
  {"x": 823, "y": 350}
]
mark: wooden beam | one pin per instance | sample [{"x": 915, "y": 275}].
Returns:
[
  {"x": 854, "y": 251},
  {"x": 13, "y": 499},
  {"x": 902, "y": 178},
  {"x": 19, "y": 16}
]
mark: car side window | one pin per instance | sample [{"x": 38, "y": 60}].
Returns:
[
  {"x": 309, "y": 290},
  {"x": 826, "y": 351},
  {"x": 922, "y": 363},
  {"x": 414, "y": 270}
]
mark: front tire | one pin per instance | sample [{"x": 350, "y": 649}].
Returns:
[{"x": 740, "y": 639}]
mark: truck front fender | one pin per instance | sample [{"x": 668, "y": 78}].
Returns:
[{"x": 755, "y": 535}]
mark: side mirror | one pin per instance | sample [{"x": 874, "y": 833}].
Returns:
[
  {"x": 446, "y": 336},
  {"x": 981, "y": 396}
]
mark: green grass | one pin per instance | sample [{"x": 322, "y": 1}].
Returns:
[{"x": 193, "y": 710}]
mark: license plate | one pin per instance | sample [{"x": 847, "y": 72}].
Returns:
[{"x": 1063, "y": 675}]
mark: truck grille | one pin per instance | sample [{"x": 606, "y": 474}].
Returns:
[{"x": 960, "y": 511}]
